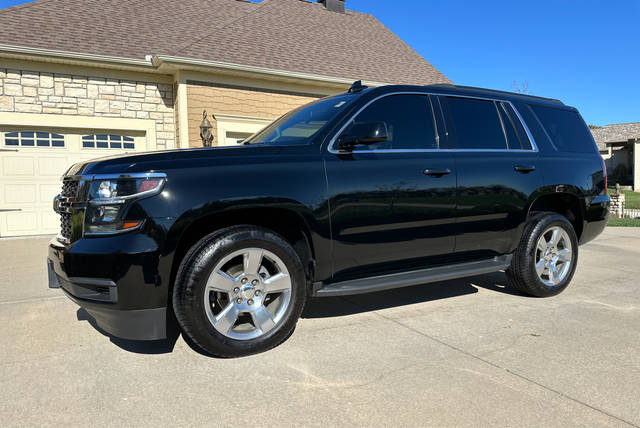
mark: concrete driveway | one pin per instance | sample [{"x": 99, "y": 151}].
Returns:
[{"x": 466, "y": 352}]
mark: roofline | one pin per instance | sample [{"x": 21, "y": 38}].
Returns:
[
  {"x": 169, "y": 59},
  {"x": 628, "y": 140},
  {"x": 153, "y": 62},
  {"x": 50, "y": 53},
  {"x": 499, "y": 92},
  {"x": 620, "y": 123}
]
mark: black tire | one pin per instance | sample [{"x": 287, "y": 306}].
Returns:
[
  {"x": 194, "y": 271},
  {"x": 522, "y": 272}
]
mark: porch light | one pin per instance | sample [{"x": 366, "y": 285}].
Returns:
[{"x": 205, "y": 131}]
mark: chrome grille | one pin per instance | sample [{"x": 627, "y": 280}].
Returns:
[
  {"x": 70, "y": 191},
  {"x": 65, "y": 225}
]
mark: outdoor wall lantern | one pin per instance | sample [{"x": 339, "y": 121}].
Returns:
[{"x": 205, "y": 131}]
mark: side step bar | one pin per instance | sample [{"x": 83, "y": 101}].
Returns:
[{"x": 415, "y": 277}]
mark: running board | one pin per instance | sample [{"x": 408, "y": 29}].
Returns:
[{"x": 415, "y": 277}]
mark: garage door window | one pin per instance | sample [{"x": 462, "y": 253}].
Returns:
[
  {"x": 107, "y": 141},
  {"x": 33, "y": 139}
]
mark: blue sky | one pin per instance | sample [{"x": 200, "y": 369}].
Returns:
[{"x": 586, "y": 53}]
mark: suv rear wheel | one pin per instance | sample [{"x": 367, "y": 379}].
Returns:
[
  {"x": 239, "y": 291},
  {"x": 546, "y": 258}
]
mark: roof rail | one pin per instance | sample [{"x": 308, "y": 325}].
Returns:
[{"x": 474, "y": 88}]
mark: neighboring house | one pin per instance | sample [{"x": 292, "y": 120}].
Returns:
[
  {"x": 81, "y": 79},
  {"x": 619, "y": 145}
]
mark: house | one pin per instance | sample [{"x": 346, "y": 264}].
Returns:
[
  {"x": 81, "y": 79},
  {"x": 619, "y": 145}
]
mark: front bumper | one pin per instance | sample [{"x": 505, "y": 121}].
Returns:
[{"x": 117, "y": 280}]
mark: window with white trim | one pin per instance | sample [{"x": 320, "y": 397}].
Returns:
[
  {"x": 33, "y": 139},
  {"x": 107, "y": 141}
]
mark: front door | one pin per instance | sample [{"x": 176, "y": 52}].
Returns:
[{"x": 392, "y": 203}]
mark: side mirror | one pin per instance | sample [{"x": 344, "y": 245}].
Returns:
[{"x": 363, "y": 133}]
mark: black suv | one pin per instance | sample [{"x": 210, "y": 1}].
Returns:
[{"x": 372, "y": 189}]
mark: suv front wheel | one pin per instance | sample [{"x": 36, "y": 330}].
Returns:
[
  {"x": 546, "y": 258},
  {"x": 239, "y": 291}
]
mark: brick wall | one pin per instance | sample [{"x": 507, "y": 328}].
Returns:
[
  {"x": 26, "y": 91},
  {"x": 237, "y": 101}
]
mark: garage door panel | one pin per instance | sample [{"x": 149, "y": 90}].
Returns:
[
  {"x": 50, "y": 222},
  {"x": 53, "y": 166},
  {"x": 49, "y": 191},
  {"x": 20, "y": 193},
  {"x": 22, "y": 222},
  {"x": 14, "y": 165}
]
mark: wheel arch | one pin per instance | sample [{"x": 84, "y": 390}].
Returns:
[
  {"x": 562, "y": 200},
  {"x": 287, "y": 223}
]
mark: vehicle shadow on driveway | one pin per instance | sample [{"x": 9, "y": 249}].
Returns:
[
  {"x": 334, "y": 307},
  {"x": 138, "y": 346},
  {"x": 348, "y": 305}
]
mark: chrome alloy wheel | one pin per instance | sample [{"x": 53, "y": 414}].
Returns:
[
  {"x": 553, "y": 256},
  {"x": 247, "y": 293}
]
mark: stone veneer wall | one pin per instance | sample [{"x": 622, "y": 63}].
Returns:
[
  {"x": 219, "y": 99},
  {"x": 26, "y": 91}
]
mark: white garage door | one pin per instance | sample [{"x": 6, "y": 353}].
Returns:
[{"x": 31, "y": 164}]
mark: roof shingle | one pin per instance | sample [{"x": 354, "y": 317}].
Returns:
[
  {"x": 290, "y": 35},
  {"x": 616, "y": 133}
]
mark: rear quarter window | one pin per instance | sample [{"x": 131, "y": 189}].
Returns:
[{"x": 566, "y": 129}]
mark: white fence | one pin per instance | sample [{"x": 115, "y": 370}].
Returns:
[{"x": 631, "y": 213}]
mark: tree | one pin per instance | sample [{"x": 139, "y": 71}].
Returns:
[{"x": 591, "y": 126}]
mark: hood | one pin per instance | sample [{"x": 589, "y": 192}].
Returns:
[{"x": 166, "y": 160}]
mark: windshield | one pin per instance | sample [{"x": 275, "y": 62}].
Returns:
[{"x": 297, "y": 126}]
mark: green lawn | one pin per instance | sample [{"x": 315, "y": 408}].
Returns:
[
  {"x": 626, "y": 222},
  {"x": 631, "y": 201},
  {"x": 631, "y": 198}
]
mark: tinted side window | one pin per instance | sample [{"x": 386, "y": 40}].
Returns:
[
  {"x": 567, "y": 130},
  {"x": 475, "y": 122},
  {"x": 409, "y": 122},
  {"x": 515, "y": 120},
  {"x": 513, "y": 140}
]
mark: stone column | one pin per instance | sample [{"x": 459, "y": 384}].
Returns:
[{"x": 617, "y": 205}]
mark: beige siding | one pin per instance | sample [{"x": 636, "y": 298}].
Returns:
[{"x": 236, "y": 101}]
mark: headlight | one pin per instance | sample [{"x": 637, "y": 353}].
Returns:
[
  {"x": 109, "y": 197},
  {"x": 119, "y": 189}
]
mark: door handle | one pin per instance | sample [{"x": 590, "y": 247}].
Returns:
[
  {"x": 436, "y": 172},
  {"x": 8, "y": 210},
  {"x": 525, "y": 169}
]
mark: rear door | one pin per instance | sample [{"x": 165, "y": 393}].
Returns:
[
  {"x": 497, "y": 167},
  {"x": 386, "y": 212}
]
